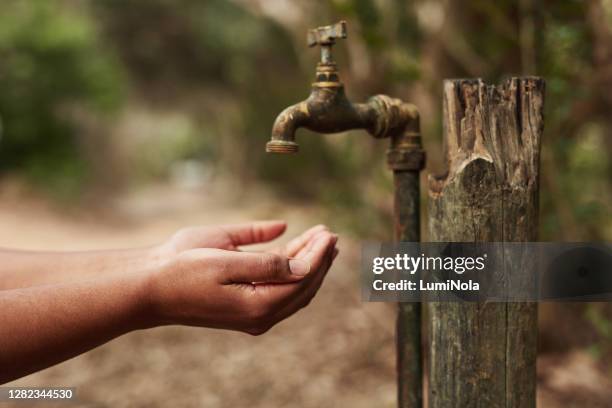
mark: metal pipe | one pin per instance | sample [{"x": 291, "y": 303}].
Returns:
[{"x": 408, "y": 325}]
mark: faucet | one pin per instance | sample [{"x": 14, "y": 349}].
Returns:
[{"x": 328, "y": 110}]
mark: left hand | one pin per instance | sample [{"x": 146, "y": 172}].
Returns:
[{"x": 231, "y": 237}]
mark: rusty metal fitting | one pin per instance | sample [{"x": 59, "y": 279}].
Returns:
[
  {"x": 282, "y": 146},
  {"x": 393, "y": 116},
  {"x": 327, "y": 76},
  {"x": 387, "y": 114},
  {"x": 406, "y": 159}
]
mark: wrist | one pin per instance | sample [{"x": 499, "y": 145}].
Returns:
[
  {"x": 158, "y": 255},
  {"x": 145, "y": 307},
  {"x": 152, "y": 296}
]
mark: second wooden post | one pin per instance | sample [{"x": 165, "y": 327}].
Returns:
[{"x": 484, "y": 354}]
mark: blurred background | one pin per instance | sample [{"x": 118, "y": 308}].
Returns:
[{"x": 124, "y": 120}]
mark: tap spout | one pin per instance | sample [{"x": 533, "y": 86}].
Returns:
[
  {"x": 328, "y": 110},
  {"x": 285, "y": 125}
]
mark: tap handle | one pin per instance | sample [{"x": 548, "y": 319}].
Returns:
[{"x": 326, "y": 35}]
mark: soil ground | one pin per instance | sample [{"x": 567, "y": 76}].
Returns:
[{"x": 339, "y": 352}]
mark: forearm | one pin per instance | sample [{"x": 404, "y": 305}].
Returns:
[
  {"x": 20, "y": 269},
  {"x": 42, "y": 326}
]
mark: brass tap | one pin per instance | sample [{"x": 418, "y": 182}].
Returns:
[{"x": 328, "y": 110}]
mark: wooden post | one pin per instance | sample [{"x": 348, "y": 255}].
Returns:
[{"x": 484, "y": 354}]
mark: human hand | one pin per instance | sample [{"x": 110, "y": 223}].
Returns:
[
  {"x": 228, "y": 237},
  {"x": 184, "y": 284},
  {"x": 236, "y": 290}
]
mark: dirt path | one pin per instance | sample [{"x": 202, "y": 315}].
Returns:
[{"x": 339, "y": 352}]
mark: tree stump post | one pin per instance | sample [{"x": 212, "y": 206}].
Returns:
[{"x": 484, "y": 354}]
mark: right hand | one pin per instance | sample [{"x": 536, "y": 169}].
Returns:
[{"x": 244, "y": 291}]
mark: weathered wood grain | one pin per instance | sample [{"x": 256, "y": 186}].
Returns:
[{"x": 483, "y": 354}]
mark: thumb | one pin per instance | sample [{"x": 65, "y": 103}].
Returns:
[
  {"x": 263, "y": 267},
  {"x": 255, "y": 232}
]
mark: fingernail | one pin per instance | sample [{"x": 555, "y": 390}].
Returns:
[{"x": 299, "y": 267}]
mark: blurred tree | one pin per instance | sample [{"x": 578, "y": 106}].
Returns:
[
  {"x": 50, "y": 59},
  {"x": 230, "y": 66}
]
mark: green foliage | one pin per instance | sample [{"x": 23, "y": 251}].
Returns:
[
  {"x": 368, "y": 16},
  {"x": 576, "y": 198},
  {"x": 50, "y": 60},
  {"x": 227, "y": 68},
  {"x": 174, "y": 139},
  {"x": 212, "y": 47},
  {"x": 597, "y": 315}
]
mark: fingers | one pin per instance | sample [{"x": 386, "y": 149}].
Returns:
[
  {"x": 313, "y": 282},
  {"x": 316, "y": 250},
  {"x": 299, "y": 242},
  {"x": 308, "y": 247},
  {"x": 255, "y": 232},
  {"x": 285, "y": 300},
  {"x": 261, "y": 267},
  {"x": 244, "y": 291}
]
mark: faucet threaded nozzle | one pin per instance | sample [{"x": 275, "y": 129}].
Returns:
[{"x": 281, "y": 146}]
